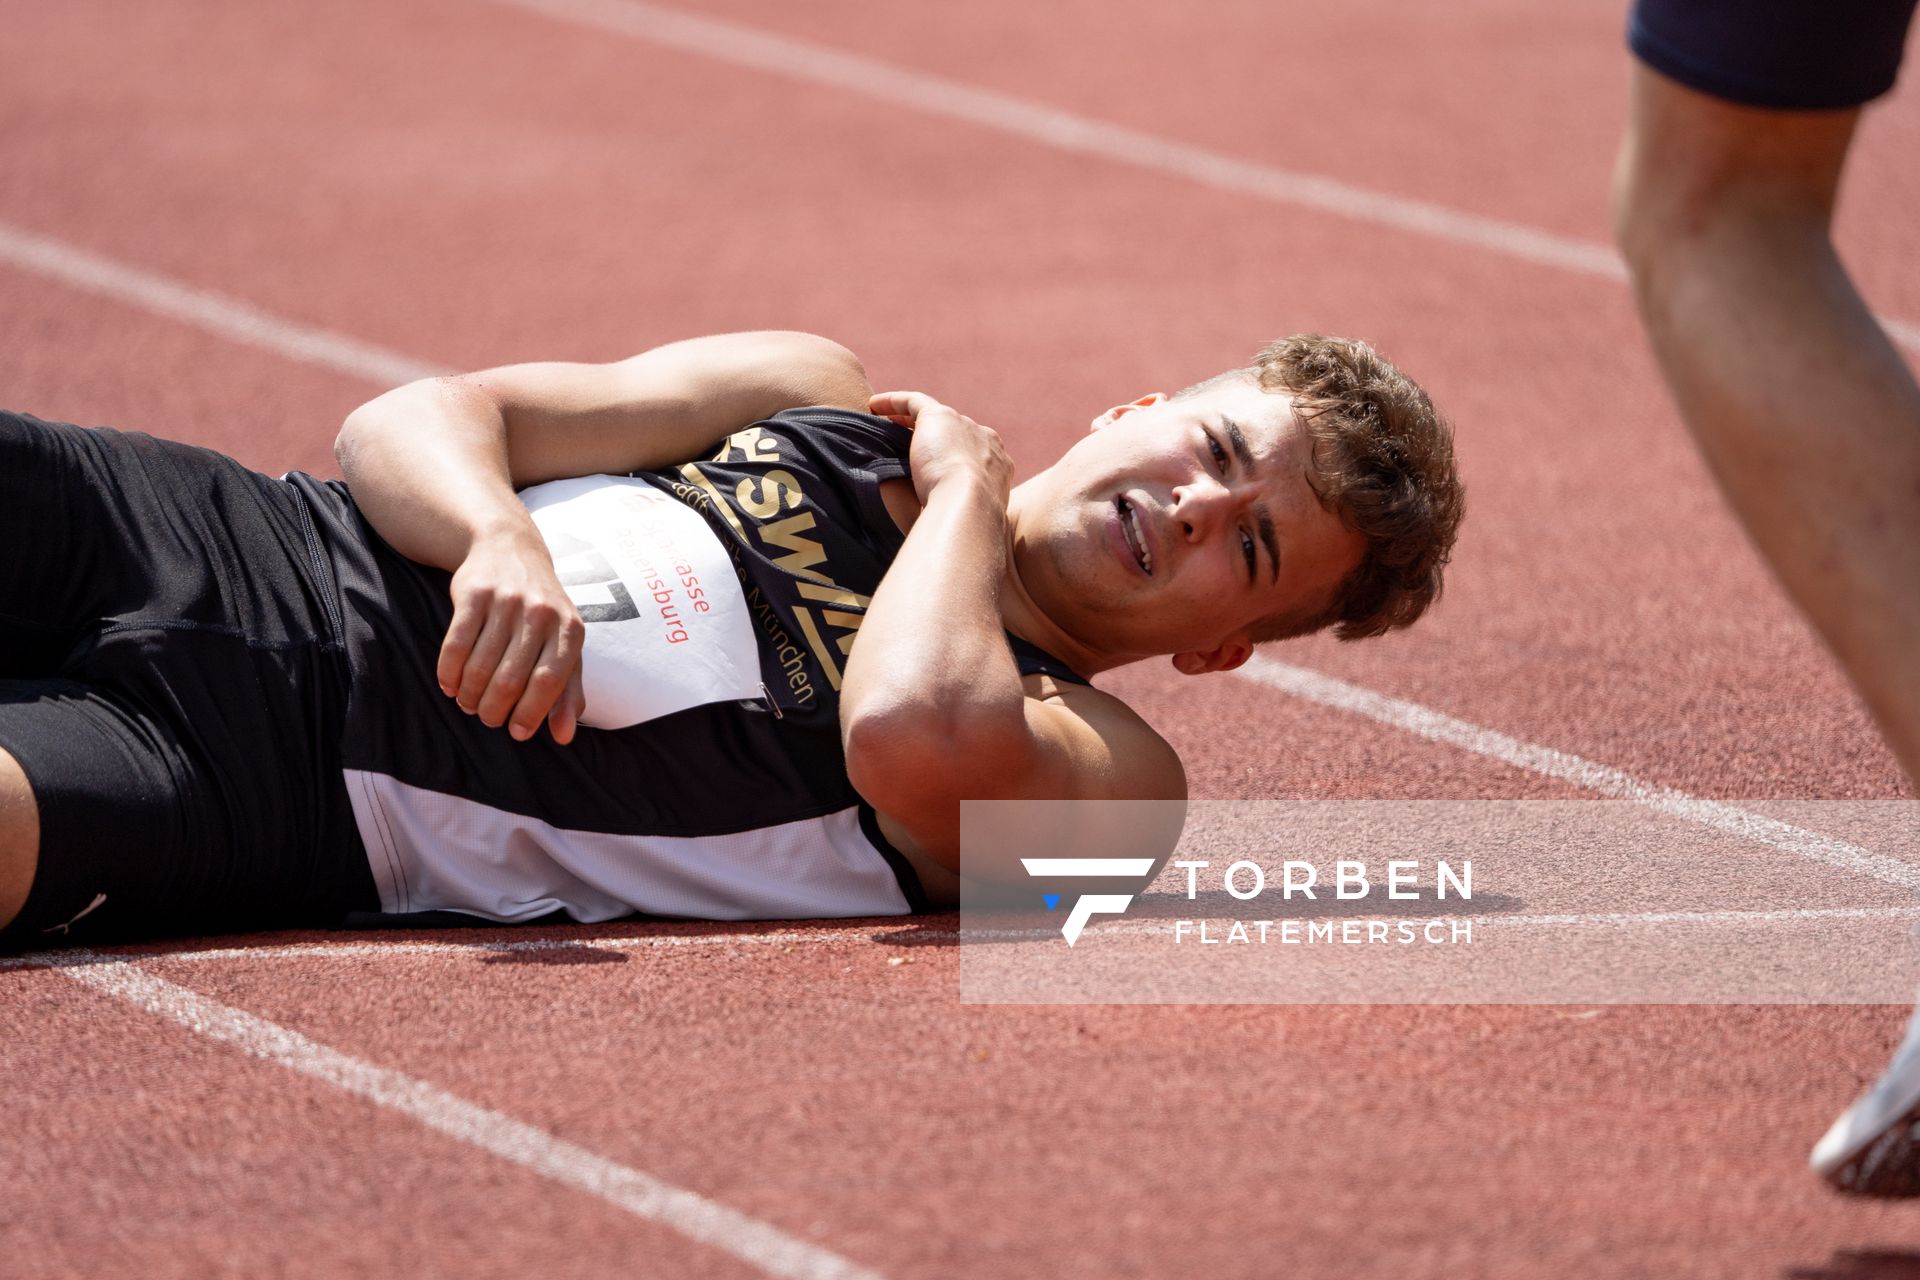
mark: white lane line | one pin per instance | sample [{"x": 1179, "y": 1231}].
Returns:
[
  {"x": 1599, "y": 778},
  {"x": 911, "y": 936},
  {"x": 728, "y": 1230},
  {"x": 350, "y": 950},
  {"x": 1604, "y": 919},
  {"x": 1631, "y": 920},
  {"x": 1065, "y": 131},
  {"x": 852, "y": 73},
  {"x": 1609, "y": 919},
  {"x": 215, "y": 312}
]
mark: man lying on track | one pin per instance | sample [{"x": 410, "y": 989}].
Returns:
[{"x": 478, "y": 684}]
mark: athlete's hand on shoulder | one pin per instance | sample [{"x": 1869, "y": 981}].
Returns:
[
  {"x": 946, "y": 444},
  {"x": 512, "y": 653}
]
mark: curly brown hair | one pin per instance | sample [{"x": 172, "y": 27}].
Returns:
[{"x": 1383, "y": 460}]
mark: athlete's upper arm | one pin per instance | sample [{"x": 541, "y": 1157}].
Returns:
[
  {"x": 663, "y": 406},
  {"x": 1085, "y": 746},
  {"x": 1089, "y": 745}
]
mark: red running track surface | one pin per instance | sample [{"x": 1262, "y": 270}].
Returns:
[{"x": 466, "y": 184}]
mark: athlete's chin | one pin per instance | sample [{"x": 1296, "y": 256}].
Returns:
[
  {"x": 1095, "y": 578},
  {"x": 1113, "y": 623}
]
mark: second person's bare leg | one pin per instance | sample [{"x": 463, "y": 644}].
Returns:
[{"x": 1807, "y": 414}]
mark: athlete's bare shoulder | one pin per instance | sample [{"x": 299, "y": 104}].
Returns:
[
  {"x": 1136, "y": 763},
  {"x": 1122, "y": 755}
]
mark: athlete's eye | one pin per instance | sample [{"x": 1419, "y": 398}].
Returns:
[
  {"x": 1246, "y": 545},
  {"x": 1219, "y": 454}
]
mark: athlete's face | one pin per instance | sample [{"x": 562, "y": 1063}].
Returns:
[{"x": 1176, "y": 526}]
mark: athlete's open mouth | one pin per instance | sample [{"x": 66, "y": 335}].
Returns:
[{"x": 1136, "y": 539}]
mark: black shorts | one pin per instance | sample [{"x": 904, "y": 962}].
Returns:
[
  {"x": 1794, "y": 55},
  {"x": 173, "y": 683}
]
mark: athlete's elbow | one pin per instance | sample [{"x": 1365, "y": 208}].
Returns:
[
  {"x": 885, "y": 753},
  {"x": 385, "y": 413},
  {"x": 354, "y": 431},
  {"x": 827, "y": 372},
  {"x": 448, "y": 405},
  {"x": 905, "y": 759},
  {"x": 360, "y": 433}
]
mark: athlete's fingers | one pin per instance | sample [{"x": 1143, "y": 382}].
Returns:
[
  {"x": 572, "y": 703},
  {"x": 565, "y": 717},
  {"x": 470, "y": 610},
  {"x": 498, "y": 633},
  {"x": 559, "y": 657},
  {"x": 577, "y": 692},
  {"x": 902, "y": 406},
  {"x": 516, "y": 666}
]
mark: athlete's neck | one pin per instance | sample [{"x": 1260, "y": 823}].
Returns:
[
  {"x": 1018, "y": 611},
  {"x": 1023, "y": 616}
]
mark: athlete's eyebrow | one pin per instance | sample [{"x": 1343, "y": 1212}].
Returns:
[
  {"x": 1271, "y": 544},
  {"x": 1238, "y": 439}
]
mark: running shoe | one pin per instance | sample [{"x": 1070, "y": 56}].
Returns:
[{"x": 1873, "y": 1149}]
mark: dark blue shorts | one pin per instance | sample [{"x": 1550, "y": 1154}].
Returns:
[
  {"x": 173, "y": 683},
  {"x": 1793, "y": 55}
]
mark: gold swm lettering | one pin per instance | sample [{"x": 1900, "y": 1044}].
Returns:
[
  {"x": 849, "y": 622},
  {"x": 802, "y": 553},
  {"x": 696, "y": 476},
  {"x": 819, "y": 646},
  {"x": 756, "y": 444},
  {"x": 763, "y": 504},
  {"x": 759, "y": 498},
  {"x": 834, "y": 595},
  {"x": 849, "y": 625}
]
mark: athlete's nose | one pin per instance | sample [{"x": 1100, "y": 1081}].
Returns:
[{"x": 1198, "y": 507}]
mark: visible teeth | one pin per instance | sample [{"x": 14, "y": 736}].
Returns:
[{"x": 1130, "y": 522}]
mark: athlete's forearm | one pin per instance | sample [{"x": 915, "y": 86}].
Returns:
[
  {"x": 435, "y": 464},
  {"x": 931, "y": 664},
  {"x": 428, "y": 467}
]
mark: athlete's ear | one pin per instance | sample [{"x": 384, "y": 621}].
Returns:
[
  {"x": 1225, "y": 656},
  {"x": 1120, "y": 411}
]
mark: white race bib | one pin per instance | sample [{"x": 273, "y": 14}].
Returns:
[{"x": 667, "y": 623}]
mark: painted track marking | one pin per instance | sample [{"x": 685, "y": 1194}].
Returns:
[
  {"x": 936, "y": 95},
  {"x": 728, "y": 1230},
  {"x": 1594, "y": 919},
  {"x": 349, "y": 950},
  {"x": 204, "y": 309},
  {"x": 1437, "y": 726},
  {"x": 909, "y": 936}
]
